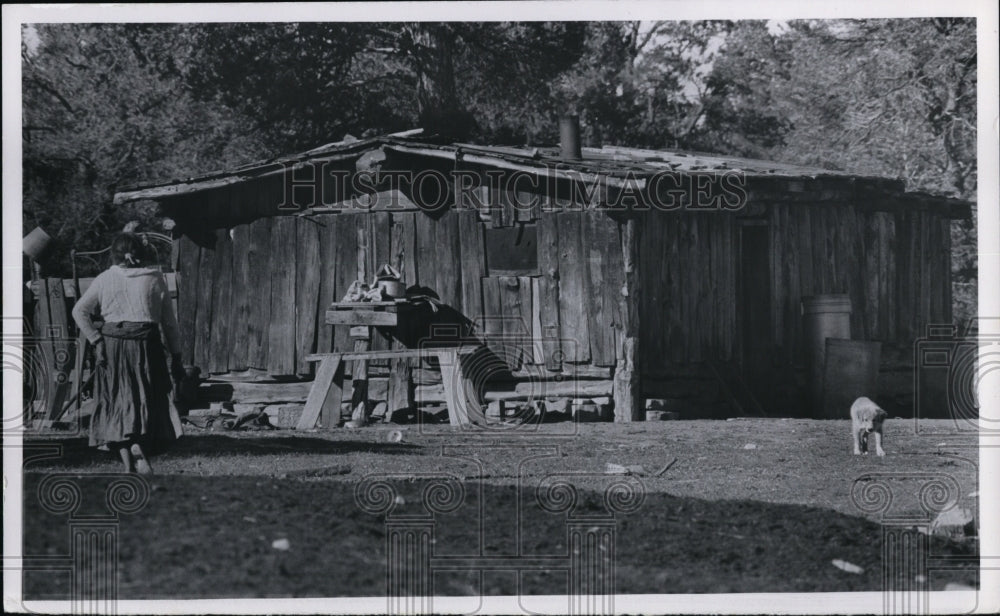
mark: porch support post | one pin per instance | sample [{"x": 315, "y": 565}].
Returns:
[{"x": 627, "y": 391}]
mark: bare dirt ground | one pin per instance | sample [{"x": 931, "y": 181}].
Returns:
[{"x": 709, "y": 506}]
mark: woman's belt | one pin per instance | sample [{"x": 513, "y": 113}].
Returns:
[{"x": 131, "y": 330}]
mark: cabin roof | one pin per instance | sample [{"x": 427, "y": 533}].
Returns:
[{"x": 613, "y": 163}]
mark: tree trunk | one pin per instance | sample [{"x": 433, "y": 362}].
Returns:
[{"x": 438, "y": 106}]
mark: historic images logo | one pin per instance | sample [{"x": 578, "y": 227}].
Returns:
[
  {"x": 552, "y": 187},
  {"x": 44, "y": 365},
  {"x": 950, "y": 369}
]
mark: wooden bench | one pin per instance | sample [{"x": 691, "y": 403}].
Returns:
[{"x": 327, "y": 389}]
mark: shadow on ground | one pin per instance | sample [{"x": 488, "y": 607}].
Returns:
[
  {"x": 75, "y": 453},
  {"x": 213, "y": 537}
]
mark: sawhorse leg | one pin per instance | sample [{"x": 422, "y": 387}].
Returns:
[
  {"x": 359, "y": 375},
  {"x": 459, "y": 391},
  {"x": 325, "y": 395}
]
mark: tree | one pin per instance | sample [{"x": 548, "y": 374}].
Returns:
[
  {"x": 104, "y": 106},
  {"x": 895, "y": 98},
  {"x": 458, "y": 80}
]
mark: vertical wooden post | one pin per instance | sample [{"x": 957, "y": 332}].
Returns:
[
  {"x": 626, "y": 386},
  {"x": 359, "y": 375},
  {"x": 399, "y": 397}
]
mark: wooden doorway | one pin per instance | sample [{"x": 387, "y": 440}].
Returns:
[{"x": 756, "y": 359}]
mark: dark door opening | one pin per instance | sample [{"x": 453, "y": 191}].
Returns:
[{"x": 755, "y": 312}]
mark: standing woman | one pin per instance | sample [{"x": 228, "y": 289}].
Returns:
[{"x": 132, "y": 385}]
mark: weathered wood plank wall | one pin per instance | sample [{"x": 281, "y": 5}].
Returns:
[
  {"x": 895, "y": 266},
  {"x": 254, "y": 295},
  {"x": 688, "y": 306}
]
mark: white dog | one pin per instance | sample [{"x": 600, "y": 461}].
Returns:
[{"x": 866, "y": 420}]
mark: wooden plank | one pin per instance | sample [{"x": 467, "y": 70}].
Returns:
[
  {"x": 493, "y": 315},
  {"x": 473, "y": 265},
  {"x": 713, "y": 308},
  {"x": 327, "y": 240},
  {"x": 791, "y": 312},
  {"x": 871, "y": 247},
  {"x": 308, "y": 266},
  {"x": 324, "y": 396},
  {"x": 359, "y": 372},
  {"x": 946, "y": 316},
  {"x": 674, "y": 287},
  {"x": 400, "y": 391},
  {"x": 506, "y": 197},
  {"x": 548, "y": 288},
  {"x": 380, "y": 247},
  {"x": 708, "y": 283},
  {"x": 732, "y": 264},
  {"x": 260, "y": 301},
  {"x": 203, "y": 322},
  {"x": 890, "y": 294},
  {"x": 627, "y": 379},
  {"x": 361, "y": 317},
  {"x": 857, "y": 280},
  {"x": 515, "y": 329},
  {"x": 904, "y": 301},
  {"x": 69, "y": 287},
  {"x": 779, "y": 289},
  {"x": 457, "y": 411},
  {"x": 573, "y": 294},
  {"x": 449, "y": 257},
  {"x": 932, "y": 256},
  {"x": 924, "y": 256},
  {"x": 536, "y": 206},
  {"x": 359, "y": 355},
  {"x": 43, "y": 327},
  {"x": 222, "y": 303},
  {"x": 880, "y": 320},
  {"x": 526, "y": 206},
  {"x": 187, "y": 295},
  {"x": 363, "y": 232},
  {"x": 243, "y": 294},
  {"x": 381, "y": 240},
  {"x": 403, "y": 245},
  {"x": 913, "y": 275},
  {"x": 458, "y": 391},
  {"x": 606, "y": 277},
  {"x": 62, "y": 348},
  {"x": 525, "y": 317},
  {"x": 281, "y": 330},
  {"x": 346, "y": 248},
  {"x": 692, "y": 319},
  {"x": 537, "y": 352},
  {"x": 818, "y": 247},
  {"x": 807, "y": 282},
  {"x": 427, "y": 255}
]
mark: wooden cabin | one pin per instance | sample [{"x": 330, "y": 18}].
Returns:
[{"x": 627, "y": 273}]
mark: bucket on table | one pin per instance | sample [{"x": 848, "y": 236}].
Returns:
[
  {"x": 389, "y": 281},
  {"x": 823, "y": 316},
  {"x": 37, "y": 243}
]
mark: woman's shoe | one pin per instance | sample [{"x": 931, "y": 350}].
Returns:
[{"x": 141, "y": 464}]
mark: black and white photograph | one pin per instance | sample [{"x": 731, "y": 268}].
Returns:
[{"x": 501, "y": 307}]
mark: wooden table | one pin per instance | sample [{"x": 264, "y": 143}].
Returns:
[{"x": 326, "y": 392}]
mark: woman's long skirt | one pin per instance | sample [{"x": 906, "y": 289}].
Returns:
[{"x": 132, "y": 392}]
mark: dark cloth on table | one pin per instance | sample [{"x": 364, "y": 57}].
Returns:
[{"x": 132, "y": 392}]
